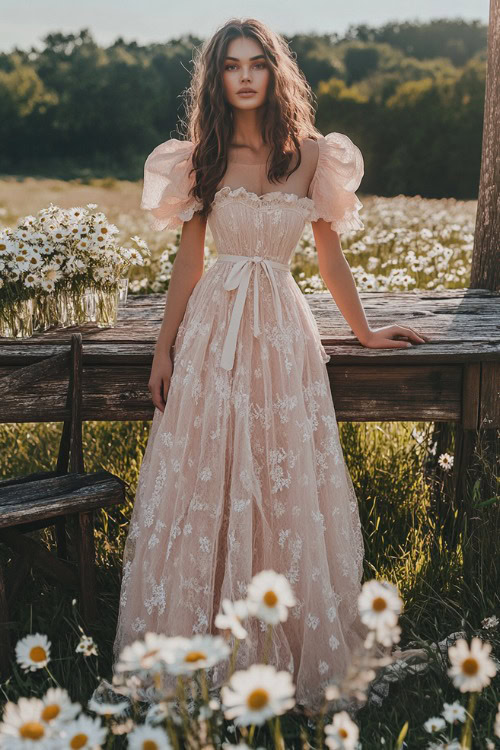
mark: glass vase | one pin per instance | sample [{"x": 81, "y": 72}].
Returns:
[
  {"x": 122, "y": 292},
  {"x": 16, "y": 321},
  {"x": 71, "y": 307},
  {"x": 106, "y": 302},
  {"x": 45, "y": 312}
]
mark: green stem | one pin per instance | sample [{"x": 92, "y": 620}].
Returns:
[{"x": 466, "y": 738}]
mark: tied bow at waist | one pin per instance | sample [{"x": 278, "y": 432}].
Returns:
[{"x": 239, "y": 277}]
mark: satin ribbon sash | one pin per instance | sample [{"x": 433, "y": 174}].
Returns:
[{"x": 239, "y": 278}]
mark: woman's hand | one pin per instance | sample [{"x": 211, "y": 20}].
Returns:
[
  {"x": 385, "y": 338},
  {"x": 159, "y": 380}
]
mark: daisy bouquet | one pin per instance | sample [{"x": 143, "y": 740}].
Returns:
[{"x": 62, "y": 267}]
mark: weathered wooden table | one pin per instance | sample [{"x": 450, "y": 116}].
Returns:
[{"x": 452, "y": 378}]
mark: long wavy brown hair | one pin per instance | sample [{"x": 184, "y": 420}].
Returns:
[{"x": 288, "y": 116}]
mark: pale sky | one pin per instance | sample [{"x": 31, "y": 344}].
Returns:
[{"x": 23, "y": 23}]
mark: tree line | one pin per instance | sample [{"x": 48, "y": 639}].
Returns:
[{"x": 410, "y": 95}]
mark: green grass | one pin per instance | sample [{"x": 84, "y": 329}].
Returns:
[{"x": 393, "y": 477}]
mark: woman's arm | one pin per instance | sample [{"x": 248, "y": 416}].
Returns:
[
  {"x": 337, "y": 275},
  {"x": 186, "y": 272}
]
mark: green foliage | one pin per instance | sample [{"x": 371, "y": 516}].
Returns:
[{"x": 75, "y": 109}]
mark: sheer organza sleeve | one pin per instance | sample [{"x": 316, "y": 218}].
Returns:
[
  {"x": 338, "y": 174},
  {"x": 167, "y": 183}
]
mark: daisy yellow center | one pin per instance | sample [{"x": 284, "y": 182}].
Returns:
[
  {"x": 149, "y": 745},
  {"x": 2, "y": 247},
  {"x": 50, "y": 712},
  {"x": 34, "y": 261},
  {"x": 343, "y": 733},
  {"x": 270, "y": 598},
  {"x": 104, "y": 230},
  {"x": 193, "y": 656},
  {"x": 37, "y": 653},
  {"x": 258, "y": 699},
  {"x": 470, "y": 666},
  {"x": 32, "y": 730},
  {"x": 379, "y": 604},
  {"x": 78, "y": 740}
]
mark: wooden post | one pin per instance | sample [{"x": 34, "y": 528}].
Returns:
[{"x": 476, "y": 444}]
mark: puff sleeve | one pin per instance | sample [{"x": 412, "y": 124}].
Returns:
[
  {"x": 339, "y": 171},
  {"x": 167, "y": 183}
]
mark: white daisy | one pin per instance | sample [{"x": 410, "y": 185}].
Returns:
[
  {"x": 471, "y": 667},
  {"x": 91, "y": 206},
  {"x": 434, "y": 724},
  {"x": 490, "y": 622},
  {"x": 269, "y": 595},
  {"x": 33, "y": 652},
  {"x": 22, "y": 262},
  {"x": 146, "y": 737},
  {"x": 51, "y": 273},
  {"x": 78, "y": 213},
  {"x": 145, "y": 655},
  {"x": 58, "y": 707},
  {"x": 84, "y": 243},
  {"x": 140, "y": 242},
  {"x": 23, "y": 727},
  {"x": 30, "y": 280},
  {"x": 379, "y": 605},
  {"x": 445, "y": 461},
  {"x": 256, "y": 694},
  {"x": 86, "y": 646},
  {"x": 103, "y": 229},
  {"x": 107, "y": 709},
  {"x": 34, "y": 260},
  {"x": 59, "y": 234},
  {"x": 48, "y": 285},
  {"x": 84, "y": 733},
  {"x": 342, "y": 733},
  {"x": 186, "y": 655},
  {"x": 76, "y": 231},
  {"x": 231, "y": 618},
  {"x": 454, "y": 712}
]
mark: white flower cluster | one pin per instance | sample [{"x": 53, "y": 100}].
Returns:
[
  {"x": 58, "y": 247},
  {"x": 251, "y": 697}
]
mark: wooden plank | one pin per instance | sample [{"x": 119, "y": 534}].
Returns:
[
  {"x": 25, "y": 377},
  {"x": 402, "y": 393},
  {"x": 413, "y": 392},
  {"x": 52, "y": 497},
  {"x": 61, "y": 570},
  {"x": 489, "y": 416},
  {"x": 471, "y": 390}
]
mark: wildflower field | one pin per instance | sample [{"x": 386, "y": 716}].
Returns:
[{"x": 417, "y": 593}]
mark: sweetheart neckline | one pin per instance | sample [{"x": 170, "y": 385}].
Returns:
[{"x": 260, "y": 198}]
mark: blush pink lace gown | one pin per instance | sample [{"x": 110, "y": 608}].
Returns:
[{"x": 244, "y": 471}]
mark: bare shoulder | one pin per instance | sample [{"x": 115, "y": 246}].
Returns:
[{"x": 310, "y": 154}]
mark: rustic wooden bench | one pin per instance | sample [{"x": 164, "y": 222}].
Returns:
[{"x": 52, "y": 498}]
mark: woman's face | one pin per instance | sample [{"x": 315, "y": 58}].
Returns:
[{"x": 242, "y": 72}]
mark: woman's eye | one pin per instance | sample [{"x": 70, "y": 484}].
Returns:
[{"x": 228, "y": 67}]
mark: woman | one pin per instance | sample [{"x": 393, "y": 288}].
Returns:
[{"x": 243, "y": 470}]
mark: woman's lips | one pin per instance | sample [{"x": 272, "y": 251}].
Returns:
[{"x": 247, "y": 93}]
